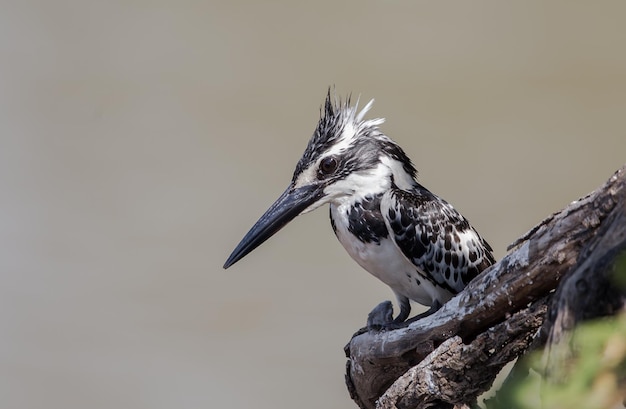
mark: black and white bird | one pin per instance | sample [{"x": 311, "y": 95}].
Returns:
[{"x": 393, "y": 227}]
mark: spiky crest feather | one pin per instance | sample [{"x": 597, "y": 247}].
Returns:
[{"x": 336, "y": 116}]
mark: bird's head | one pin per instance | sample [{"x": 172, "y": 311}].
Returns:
[{"x": 346, "y": 158}]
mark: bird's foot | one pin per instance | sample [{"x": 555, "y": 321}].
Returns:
[
  {"x": 378, "y": 319},
  {"x": 381, "y": 318}
]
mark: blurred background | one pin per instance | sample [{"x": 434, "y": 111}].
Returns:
[{"x": 139, "y": 141}]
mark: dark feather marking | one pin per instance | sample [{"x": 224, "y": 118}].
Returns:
[
  {"x": 332, "y": 222},
  {"x": 392, "y": 149},
  {"x": 366, "y": 221},
  {"x": 328, "y": 130},
  {"x": 473, "y": 256},
  {"x": 428, "y": 232}
]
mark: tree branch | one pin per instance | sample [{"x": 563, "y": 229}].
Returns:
[{"x": 453, "y": 355}]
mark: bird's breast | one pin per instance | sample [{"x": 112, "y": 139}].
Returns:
[{"x": 363, "y": 233}]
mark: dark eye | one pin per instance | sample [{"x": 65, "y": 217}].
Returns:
[{"x": 328, "y": 165}]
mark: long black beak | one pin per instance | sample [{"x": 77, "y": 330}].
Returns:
[{"x": 290, "y": 204}]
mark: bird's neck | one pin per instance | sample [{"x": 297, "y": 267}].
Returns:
[
  {"x": 372, "y": 182},
  {"x": 397, "y": 174}
]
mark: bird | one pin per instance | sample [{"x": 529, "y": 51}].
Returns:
[{"x": 392, "y": 226}]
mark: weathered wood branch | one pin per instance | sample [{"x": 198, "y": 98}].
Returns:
[
  {"x": 452, "y": 356},
  {"x": 576, "y": 299},
  {"x": 446, "y": 370}
]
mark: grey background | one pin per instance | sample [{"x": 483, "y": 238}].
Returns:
[{"x": 141, "y": 140}]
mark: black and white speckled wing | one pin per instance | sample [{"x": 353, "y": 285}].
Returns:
[{"x": 436, "y": 238}]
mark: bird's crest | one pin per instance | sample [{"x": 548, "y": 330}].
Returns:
[{"x": 339, "y": 125}]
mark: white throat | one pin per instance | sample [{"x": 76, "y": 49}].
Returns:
[{"x": 359, "y": 185}]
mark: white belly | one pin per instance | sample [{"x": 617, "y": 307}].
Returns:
[{"x": 386, "y": 262}]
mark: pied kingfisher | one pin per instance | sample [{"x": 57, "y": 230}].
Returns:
[{"x": 393, "y": 227}]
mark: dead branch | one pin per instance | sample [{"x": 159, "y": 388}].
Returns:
[{"x": 452, "y": 356}]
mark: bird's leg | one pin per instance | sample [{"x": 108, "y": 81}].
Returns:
[
  {"x": 405, "y": 309},
  {"x": 433, "y": 308}
]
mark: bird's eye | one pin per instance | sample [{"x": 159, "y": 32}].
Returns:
[{"x": 328, "y": 165}]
